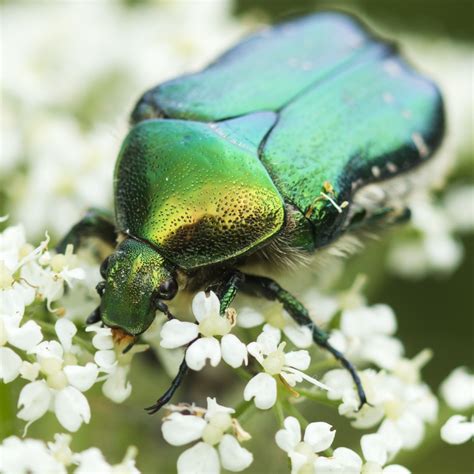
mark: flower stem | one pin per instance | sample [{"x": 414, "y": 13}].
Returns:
[
  {"x": 242, "y": 408},
  {"x": 49, "y": 328},
  {"x": 319, "y": 397},
  {"x": 278, "y": 410}
]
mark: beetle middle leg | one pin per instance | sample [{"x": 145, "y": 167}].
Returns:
[
  {"x": 268, "y": 288},
  {"x": 96, "y": 223},
  {"x": 225, "y": 290}
]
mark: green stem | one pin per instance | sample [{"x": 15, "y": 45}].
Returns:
[
  {"x": 322, "y": 365},
  {"x": 319, "y": 397},
  {"x": 279, "y": 413},
  {"x": 243, "y": 374},
  {"x": 242, "y": 408},
  {"x": 291, "y": 408},
  {"x": 50, "y": 329}
]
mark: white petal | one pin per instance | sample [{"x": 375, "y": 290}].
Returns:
[
  {"x": 350, "y": 461},
  {"x": 298, "y": 359},
  {"x": 373, "y": 448},
  {"x": 395, "y": 469},
  {"x": 384, "y": 351},
  {"x": 303, "y": 376},
  {"x": 105, "y": 359},
  {"x": 91, "y": 461},
  {"x": 324, "y": 465},
  {"x": 181, "y": 429},
  {"x": 263, "y": 388},
  {"x": 81, "y": 377},
  {"x": 458, "y": 389},
  {"x": 319, "y": 436},
  {"x": 65, "y": 330},
  {"x": 205, "y": 348},
  {"x": 234, "y": 458},
  {"x": 177, "y": 333},
  {"x": 300, "y": 336},
  {"x": 200, "y": 459},
  {"x": 269, "y": 339},
  {"x": 213, "y": 408},
  {"x": 248, "y": 318},
  {"x": 117, "y": 388},
  {"x": 297, "y": 461},
  {"x": 27, "y": 337},
  {"x": 457, "y": 430},
  {"x": 288, "y": 438},
  {"x": 10, "y": 364},
  {"x": 411, "y": 429},
  {"x": 383, "y": 320},
  {"x": 392, "y": 438},
  {"x": 339, "y": 382},
  {"x": 234, "y": 352},
  {"x": 205, "y": 306},
  {"x": 71, "y": 408},
  {"x": 35, "y": 398}
]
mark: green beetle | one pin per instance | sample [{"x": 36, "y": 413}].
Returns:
[{"x": 260, "y": 157}]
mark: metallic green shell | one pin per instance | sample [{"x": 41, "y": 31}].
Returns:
[
  {"x": 350, "y": 111},
  {"x": 196, "y": 191}
]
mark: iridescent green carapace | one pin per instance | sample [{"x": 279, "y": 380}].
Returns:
[{"x": 259, "y": 158}]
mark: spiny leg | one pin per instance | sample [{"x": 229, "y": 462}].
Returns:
[
  {"x": 96, "y": 223},
  {"x": 271, "y": 290},
  {"x": 226, "y": 290}
]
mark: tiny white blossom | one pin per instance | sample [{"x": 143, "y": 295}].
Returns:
[
  {"x": 318, "y": 437},
  {"x": 113, "y": 362},
  {"x": 273, "y": 314},
  {"x": 206, "y": 309},
  {"x": 458, "y": 389},
  {"x": 203, "y": 458},
  {"x": 63, "y": 382},
  {"x": 269, "y": 352},
  {"x": 457, "y": 430}
]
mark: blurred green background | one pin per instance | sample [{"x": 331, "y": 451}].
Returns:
[{"x": 435, "y": 312}]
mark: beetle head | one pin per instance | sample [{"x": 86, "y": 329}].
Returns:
[{"x": 136, "y": 281}]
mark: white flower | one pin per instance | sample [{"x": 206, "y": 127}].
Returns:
[
  {"x": 35, "y": 457},
  {"x": 366, "y": 335},
  {"x": 458, "y": 389},
  {"x": 318, "y": 437},
  {"x": 269, "y": 352},
  {"x": 113, "y": 362},
  {"x": 376, "y": 452},
  {"x": 92, "y": 461},
  {"x": 434, "y": 249},
  {"x": 28, "y": 456},
  {"x": 206, "y": 309},
  {"x": 275, "y": 315},
  {"x": 64, "y": 380},
  {"x": 179, "y": 429},
  {"x": 457, "y": 430},
  {"x": 403, "y": 407}
]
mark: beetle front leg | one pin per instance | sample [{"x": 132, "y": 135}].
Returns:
[
  {"x": 268, "y": 288},
  {"x": 168, "y": 395},
  {"x": 96, "y": 223},
  {"x": 225, "y": 290}
]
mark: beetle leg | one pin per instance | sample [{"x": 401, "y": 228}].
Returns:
[
  {"x": 96, "y": 223},
  {"x": 268, "y": 288},
  {"x": 168, "y": 395},
  {"x": 227, "y": 287}
]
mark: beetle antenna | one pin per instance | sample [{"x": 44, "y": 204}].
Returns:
[{"x": 94, "y": 317}]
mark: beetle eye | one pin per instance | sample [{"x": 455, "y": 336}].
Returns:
[
  {"x": 103, "y": 267},
  {"x": 168, "y": 289}
]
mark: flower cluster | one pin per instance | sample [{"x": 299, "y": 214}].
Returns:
[
  {"x": 309, "y": 455},
  {"x": 212, "y": 426},
  {"x": 36, "y": 457},
  {"x": 61, "y": 369}
]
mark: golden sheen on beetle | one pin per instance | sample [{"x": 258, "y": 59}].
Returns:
[{"x": 262, "y": 157}]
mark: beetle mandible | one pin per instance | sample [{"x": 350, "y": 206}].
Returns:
[{"x": 260, "y": 157}]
